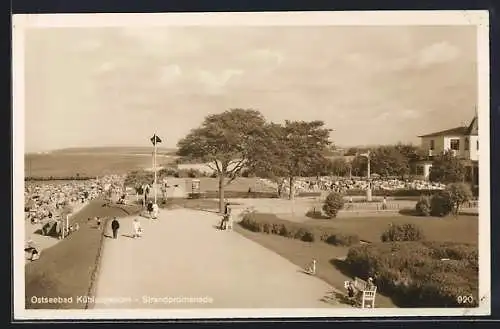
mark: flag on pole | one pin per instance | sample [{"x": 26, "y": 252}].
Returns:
[{"x": 155, "y": 139}]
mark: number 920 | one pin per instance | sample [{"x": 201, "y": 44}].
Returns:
[{"x": 465, "y": 299}]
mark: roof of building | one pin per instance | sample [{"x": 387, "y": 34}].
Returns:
[
  {"x": 458, "y": 131},
  {"x": 472, "y": 129}
]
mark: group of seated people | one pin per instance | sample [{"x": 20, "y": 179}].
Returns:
[{"x": 345, "y": 184}]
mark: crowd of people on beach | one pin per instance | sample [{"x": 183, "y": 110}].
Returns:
[
  {"x": 46, "y": 200},
  {"x": 343, "y": 185}
]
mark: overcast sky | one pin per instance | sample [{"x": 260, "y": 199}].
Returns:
[{"x": 116, "y": 86}]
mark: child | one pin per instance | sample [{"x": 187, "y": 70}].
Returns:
[{"x": 137, "y": 228}]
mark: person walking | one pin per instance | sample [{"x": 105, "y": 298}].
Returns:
[
  {"x": 149, "y": 208},
  {"x": 115, "y": 225}
]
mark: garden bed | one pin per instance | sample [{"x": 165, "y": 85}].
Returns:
[{"x": 420, "y": 274}]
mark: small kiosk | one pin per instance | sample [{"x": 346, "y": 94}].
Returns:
[{"x": 195, "y": 189}]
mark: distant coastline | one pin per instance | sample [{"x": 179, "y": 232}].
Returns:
[{"x": 123, "y": 150}]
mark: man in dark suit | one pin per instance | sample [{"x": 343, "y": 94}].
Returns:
[{"x": 115, "y": 225}]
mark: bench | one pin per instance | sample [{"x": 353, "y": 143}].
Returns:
[{"x": 365, "y": 295}]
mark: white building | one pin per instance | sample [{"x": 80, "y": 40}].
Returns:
[{"x": 463, "y": 142}]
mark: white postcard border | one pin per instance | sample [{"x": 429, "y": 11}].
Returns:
[{"x": 368, "y": 18}]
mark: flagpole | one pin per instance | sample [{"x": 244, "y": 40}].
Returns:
[{"x": 154, "y": 167}]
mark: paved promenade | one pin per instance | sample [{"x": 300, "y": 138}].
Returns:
[{"x": 182, "y": 254}]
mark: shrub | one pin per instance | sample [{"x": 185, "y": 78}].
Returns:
[
  {"x": 284, "y": 231},
  {"x": 404, "y": 232},
  {"x": 314, "y": 213},
  {"x": 250, "y": 224},
  {"x": 441, "y": 204},
  {"x": 423, "y": 206},
  {"x": 411, "y": 274},
  {"x": 459, "y": 193},
  {"x": 194, "y": 195},
  {"x": 167, "y": 172},
  {"x": 342, "y": 240},
  {"x": 333, "y": 203},
  {"x": 307, "y": 237}
]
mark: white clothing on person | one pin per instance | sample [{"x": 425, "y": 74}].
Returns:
[
  {"x": 137, "y": 228},
  {"x": 155, "y": 210}
]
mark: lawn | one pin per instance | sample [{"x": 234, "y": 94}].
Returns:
[
  {"x": 464, "y": 229},
  {"x": 196, "y": 204},
  {"x": 301, "y": 253},
  {"x": 68, "y": 268}
]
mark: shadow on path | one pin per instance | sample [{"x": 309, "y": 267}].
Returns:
[
  {"x": 335, "y": 298},
  {"x": 341, "y": 266}
]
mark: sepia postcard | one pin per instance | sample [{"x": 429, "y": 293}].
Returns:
[{"x": 251, "y": 165}]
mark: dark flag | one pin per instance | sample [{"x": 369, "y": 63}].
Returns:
[{"x": 155, "y": 139}]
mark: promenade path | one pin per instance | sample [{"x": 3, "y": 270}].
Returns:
[{"x": 182, "y": 254}]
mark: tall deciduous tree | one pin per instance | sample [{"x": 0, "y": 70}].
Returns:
[
  {"x": 359, "y": 166},
  {"x": 447, "y": 168},
  {"x": 339, "y": 167},
  {"x": 223, "y": 141},
  {"x": 290, "y": 150},
  {"x": 389, "y": 161}
]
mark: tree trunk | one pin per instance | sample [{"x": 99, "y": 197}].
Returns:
[
  {"x": 291, "y": 191},
  {"x": 221, "y": 192}
]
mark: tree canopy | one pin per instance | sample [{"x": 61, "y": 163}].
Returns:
[
  {"x": 447, "y": 168},
  {"x": 290, "y": 150},
  {"x": 223, "y": 141},
  {"x": 388, "y": 161}
]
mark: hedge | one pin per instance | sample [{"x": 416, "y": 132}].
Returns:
[
  {"x": 391, "y": 193},
  {"x": 270, "y": 224},
  {"x": 419, "y": 274},
  {"x": 252, "y": 195},
  {"x": 401, "y": 192}
]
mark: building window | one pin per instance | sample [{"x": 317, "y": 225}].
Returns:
[
  {"x": 477, "y": 145},
  {"x": 431, "y": 147},
  {"x": 466, "y": 144},
  {"x": 455, "y": 144}
]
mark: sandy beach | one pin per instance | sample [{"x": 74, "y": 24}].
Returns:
[{"x": 31, "y": 231}]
